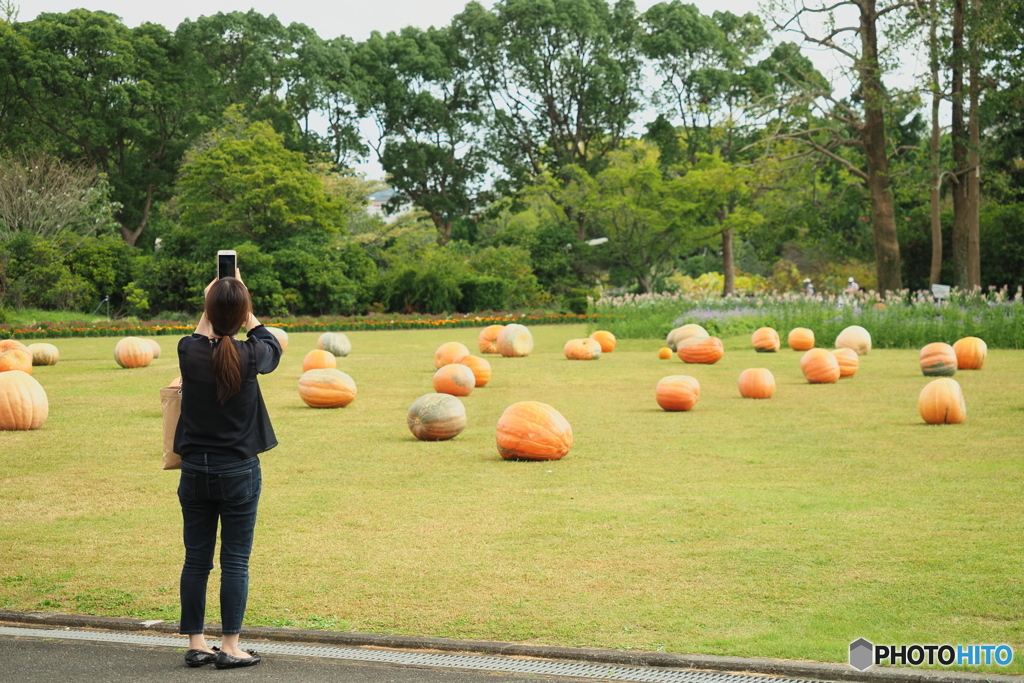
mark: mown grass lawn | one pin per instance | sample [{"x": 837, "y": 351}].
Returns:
[{"x": 781, "y": 528}]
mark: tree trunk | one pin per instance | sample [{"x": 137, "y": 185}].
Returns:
[
  {"x": 728, "y": 267},
  {"x": 935, "y": 196},
  {"x": 873, "y": 135},
  {"x": 960, "y": 161},
  {"x": 974, "y": 166},
  {"x": 131, "y": 236},
  {"x": 444, "y": 228}
]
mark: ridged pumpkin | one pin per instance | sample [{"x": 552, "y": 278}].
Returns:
[
  {"x": 515, "y": 341},
  {"x": 334, "y": 343},
  {"x": 16, "y": 359},
  {"x": 757, "y": 383},
  {"x": 480, "y": 367},
  {"x": 318, "y": 359},
  {"x": 664, "y": 353},
  {"x": 800, "y": 339},
  {"x": 582, "y": 349},
  {"x": 531, "y": 430},
  {"x": 605, "y": 339},
  {"x": 854, "y": 337},
  {"x": 44, "y": 354},
  {"x": 820, "y": 367},
  {"x": 8, "y": 344},
  {"x": 487, "y": 341},
  {"x": 454, "y": 379},
  {"x": 849, "y": 362},
  {"x": 677, "y": 393},
  {"x": 155, "y": 346},
  {"x": 282, "y": 337},
  {"x": 942, "y": 402},
  {"x": 707, "y": 351},
  {"x": 447, "y": 353},
  {"x": 133, "y": 352},
  {"x": 326, "y": 388},
  {"x": 685, "y": 332},
  {"x": 938, "y": 359},
  {"x": 436, "y": 417},
  {"x": 766, "y": 340},
  {"x": 970, "y": 353},
  {"x": 23, "y": 403}
]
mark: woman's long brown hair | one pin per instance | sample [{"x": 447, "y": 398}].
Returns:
[{"x": 227, "y": 308}]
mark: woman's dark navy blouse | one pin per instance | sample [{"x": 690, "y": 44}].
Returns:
[{"x": 242, "y": 426}]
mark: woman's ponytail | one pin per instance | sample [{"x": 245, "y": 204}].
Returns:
[
  {"x": 227, "y": 370},
  {"x": 227, "y": 307}
]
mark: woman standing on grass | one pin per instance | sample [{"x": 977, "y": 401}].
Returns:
[{"x": 223, "y": 427}]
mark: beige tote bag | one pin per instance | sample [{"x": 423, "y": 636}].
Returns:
[{"x": 170, "y": 404}]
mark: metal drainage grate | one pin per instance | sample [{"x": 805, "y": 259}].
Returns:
[{"x": 445, "y": 661}]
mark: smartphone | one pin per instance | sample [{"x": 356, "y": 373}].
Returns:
[{"x": 227, "y": 262}]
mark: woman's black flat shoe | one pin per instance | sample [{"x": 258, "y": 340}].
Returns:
[
  {"x": 226, "y": 661},
  {"x": 196, "y": 658}
]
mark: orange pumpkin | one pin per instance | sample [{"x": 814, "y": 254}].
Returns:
[
  {"x": 515, "y": 341},
  {"x": 176, "y": 382},
  {"x": 282, "y": 336},
  {"x": 447, "y": 353},
  {"x": 23, "y": 403},
  {"x": 942, "y": 402},
  {"x": 531, "y": 430},
  {"x": 800, "y": 339},
  {"x": 677, "y": 393},
  {"x": 970, "y": 353},
  {"x": 487, "y": 341},
  {"x": 757, "y": 383},
  {"x": 16, "y": 359},
  {"x": 820, "y": 367},
  {"x": 582, "y": 349},
  {"x": 854, "y": 337},
  {"x": 849, "y": 362},
  {"x": 766, "y": 340},
  {"x": 334, "y": 343},
  {"x": 664, "y": 353},
  {"x": 436, "y": 417},
  {"x": 44, "y": 354},
  {"x": 8, "y": 344},
  {"x": 454, "y": 379},
  {"x": 480, "y": 367},
  {"x": 133, "y": 352},
  {"x": 605, "y": 339},
  {"x": 707, "y": 351},
  {"x": 326, "y": 388},
  {"x": 156, "y": 347},
  {"x": 317, "y": 359},
  {"x": 938, "y": 359},
  {"x": 685, "y": 332}
]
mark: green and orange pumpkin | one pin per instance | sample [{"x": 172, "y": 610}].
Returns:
[
  {"x": 531, "y": 430},
  {"x": 436, "y": 417}
]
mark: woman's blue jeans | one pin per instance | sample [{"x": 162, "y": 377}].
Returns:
[{"x": 216, "y": 488}]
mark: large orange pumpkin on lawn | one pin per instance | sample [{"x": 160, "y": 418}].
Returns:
[
  {"x": 677, "y": 393},
  {"x": 133, "y": 352},
  {"x": 854, "y": 337},
  {"x": 480, "y": 367},
  {"x": 447, "y": 353},
  {"x": 515, "y": 341},
  {"x": 44, "y": 354},
  {"x": 757, "y": 383},
  {"x": 334, "y": 343},
  {"x": 155, "y": 346},
  {"x": 942, "y": 402},
  {"x": 326, "y": 388},
  {"x": 282, "y": 336},
  {"x": 970, "y": 353},
  {"x": 849, "y": 362},
  {"x": 708, "y": 350},
  {"x": 23, "y": 403},
  {"x": 436, "y": 417},
  {"x": 582, "y": 349},
  {"x": 8, "y": 344},
  {"x": 605, "y": 339},
  {"x": 531, "y": 430},
  {"x": 938, "y": 359},
  {"x": 766, "y": 340},
  {"x": 800, "y": 339},
  {"x": 487, "y": 341},
  {"x": 685, "y": 332},
  {"x": 454, "y": 379},
  {"x": 820, "y": 367},
  {"x": 16, "y": 359},
  {"x": 318, "y": 359}
]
